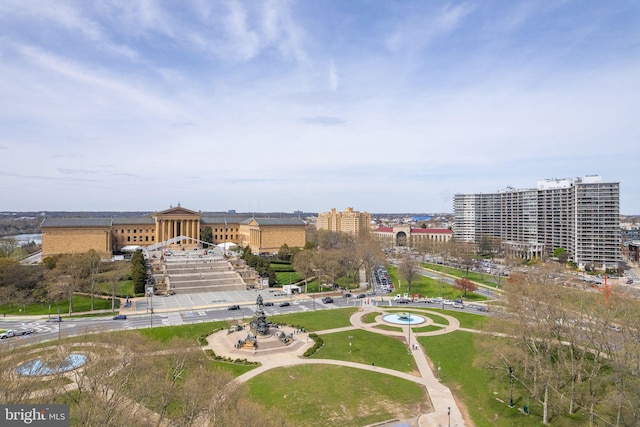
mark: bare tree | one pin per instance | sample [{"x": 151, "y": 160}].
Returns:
[
  {"x": 93, "y": 263},
  {"x": 408, "y": 270}
]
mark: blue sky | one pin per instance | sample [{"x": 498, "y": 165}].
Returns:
[{"x": 383, "y": 106}]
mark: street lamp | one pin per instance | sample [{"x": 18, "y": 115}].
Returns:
[
  {"x": 449, "y": 414},
  {"x": 511, "y": 405},
  {"x": 58, "y": 323},
  {"x": 409, "y": 335},
  {"x": 350, "y": 338},
  {"x": 438, "y": 371}
]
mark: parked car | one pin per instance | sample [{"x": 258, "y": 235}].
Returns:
[
  {"x": 55, "y": 319},
  {"x": 284, "y": 304},
  {"x": 327, "y": 300},
  {"x": 234, "y": 307},
  {"x": 120, "y": 317},
  {"x": 7, "y": 334},
  {"x": 458, "y": 305}
]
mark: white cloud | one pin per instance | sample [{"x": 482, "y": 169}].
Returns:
[
  {"x": 333, "y": 76},
  {"x": 416, "y": 32}
]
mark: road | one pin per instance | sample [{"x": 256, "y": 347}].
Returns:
[{"x": 80, "y": 325}]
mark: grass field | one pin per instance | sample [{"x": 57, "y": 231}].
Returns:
[
  {"x": 325, "y": 395},
  {"x": 193, "y": 331},
  {"x": 457, "y": 354},
  {"x": 124, "y": 288},
  {"x": 366, "y": 347},
  {"x": 428, "y": 287},
  {"x": 485, "y": 279},
  {"x": 80, "y": 304},
  {"x": 317, "y": 320}
]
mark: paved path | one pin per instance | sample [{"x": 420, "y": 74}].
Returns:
[{"x": 441, "y": 397}]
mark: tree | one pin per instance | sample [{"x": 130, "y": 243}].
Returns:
[
  {"x": 284, "y": 253},
  {"x": 68, "y": 276},
  {"x": 206, "y": 235},
  {"x": 561, "y": 254},
  {"x": 465, "y": 285},
  {"x": 303, "y": 264},
  {"x": 138, "y": 272},
  {"x": 369, "y": 254},
  {"x": 408, "y": 270},
  {"x": 93, "y": 263},
  {"x": 7, "y": 246}
]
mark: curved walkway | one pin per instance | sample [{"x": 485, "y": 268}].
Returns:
[{"x": 441, "y": 397}]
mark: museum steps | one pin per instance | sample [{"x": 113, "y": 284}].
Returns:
[{"x": 201, "y": 274}]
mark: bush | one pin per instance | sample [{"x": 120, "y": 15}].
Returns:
[{"x": 318, "y": 343}]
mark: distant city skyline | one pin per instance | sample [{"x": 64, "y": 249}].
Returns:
[{"x": 279, "y": 106}]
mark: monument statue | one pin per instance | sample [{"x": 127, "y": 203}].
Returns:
[{"x": 259, "y": 325}]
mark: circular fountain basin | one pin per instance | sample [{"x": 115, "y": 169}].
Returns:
[
  {"x": 37, "y": 367},
  {"x": 403, "y": 319}
]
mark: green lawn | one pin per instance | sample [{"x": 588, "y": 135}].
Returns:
[
  {"x": 457, "y": 354},
  {"x": 485, "y": 279},
  {"x": 366, "y": 347},
  {"x": 370, "y": 317},
  {"x": 325, "y": 395},
  {"x": 287, "y": 278},
  {"x": 428, "y": 287},
  {"x": 317, "y": 320},
  {"x": 468, "y": 320},
  {"x": 80, "y": 304},
  {"x": 124, "y": 288},
  {"x": 234, "y": 369},
  {"x": 193, "y": 331}
]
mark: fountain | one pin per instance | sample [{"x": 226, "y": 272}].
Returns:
[
  {"x": 404, "y": 319},
  {"x": 38, "y": 367}
]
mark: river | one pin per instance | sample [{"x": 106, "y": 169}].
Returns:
[{"x": 23, "y": 239}]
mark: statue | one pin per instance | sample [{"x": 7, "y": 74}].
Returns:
[{"x": 260, "y": 325}]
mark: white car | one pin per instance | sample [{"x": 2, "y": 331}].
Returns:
[{"x": 7, "y": 334}]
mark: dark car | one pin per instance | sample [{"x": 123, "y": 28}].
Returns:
[
  {"x": 347, "y": 295},
  {"x": 361, "y": 296},
  {"x": 284, "y": 304},
  {"x": 234, "y": 307},
  {"x": 327, "y": 300},
  {"x": 268, "y": 304},
  {"x": 120, "y": 317}
]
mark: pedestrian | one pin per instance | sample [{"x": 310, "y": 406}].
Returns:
[{"x": 373, "y": 365}]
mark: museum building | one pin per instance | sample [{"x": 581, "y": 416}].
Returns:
[{"x": 176, "y": 228}]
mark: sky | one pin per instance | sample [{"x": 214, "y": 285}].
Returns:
[{"x": 269, "y": 105}]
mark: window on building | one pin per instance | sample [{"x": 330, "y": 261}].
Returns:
[{"x": 128, "y": 238}]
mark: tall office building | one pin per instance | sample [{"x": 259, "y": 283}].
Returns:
[
  {"x": 581, "y": 215},
  {"x": 349, "y": 221}
]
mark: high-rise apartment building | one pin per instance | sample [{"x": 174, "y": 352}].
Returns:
[
  {"x": 349, "y": 221},
  {"x": 581, "y": 215}
]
